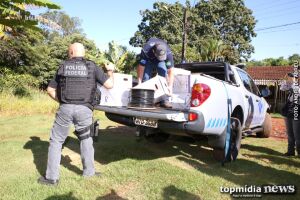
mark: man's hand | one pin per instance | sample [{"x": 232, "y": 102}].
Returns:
[
  {"x": 109, "y": 83},
  {"x": 109, "y": 66},
  {"x": 52, "y": 93}
]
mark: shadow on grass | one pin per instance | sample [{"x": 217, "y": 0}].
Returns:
[
  {"x": 62, "y": 197},
  {"x": 261, "y": 149},
  {"x": 111, "y": 195},
  {"x": 118, "y": 143},
  {"x": 173, "y": 193},
  {"x": 39, "y": 150},
  {"x": 275, "y": 159}
]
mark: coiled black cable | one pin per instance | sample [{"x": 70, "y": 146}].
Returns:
[{"x": 142, "y": 98}]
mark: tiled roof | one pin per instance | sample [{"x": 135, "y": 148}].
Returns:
[{"x": 269, "y": 72}]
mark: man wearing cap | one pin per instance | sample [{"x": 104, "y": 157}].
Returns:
[{"x": 156, "y": 54}]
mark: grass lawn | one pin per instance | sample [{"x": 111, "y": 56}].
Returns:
[
  {"x": 276, "y": 115},
  {"x": 176, "y": 169}
]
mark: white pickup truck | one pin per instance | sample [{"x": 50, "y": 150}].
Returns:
[{"x": 225, "y": 103}]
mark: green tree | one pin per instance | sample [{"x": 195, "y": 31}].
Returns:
[
  {"x": 130, "y": 63},
  {"x": 280, "y": 61},
  {"x": 121, "y": 57},
  {"x": 160, "y": 23},
  {"x": 31, "y": 53},
  {"x": 213, "y": 50},
  {"x": 13, "y": 14},
  {"x": 293, "y": 58},
  {"x": 68, "y": 25},
  {"x": 27, "y": 53},
  {"x": 275, "y": 61},
  {"x": 229, "y": 21}
]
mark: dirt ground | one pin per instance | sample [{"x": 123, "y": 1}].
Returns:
[{"x": 278, "y": 128}]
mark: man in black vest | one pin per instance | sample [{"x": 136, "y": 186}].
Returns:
[{"x": 74, "y": 87}]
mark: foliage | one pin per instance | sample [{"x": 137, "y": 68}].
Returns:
[
  {"x": 38, "y": 54},
  {"x": 32, "y": 102},
  {"x": 31, "y": 53},
  {"x": 17, "y": 84},
  {"x": 68, "y": 25},
  {"x": 213, "y": 50},
  {"x": 13, "y": 14},
  {"x": 280, "y": 61},
  {"x": 118, "y": 55},
  {"x": 27, "y": 53},
  {"x": 294, "y": 58},
  {"x": 21, "y": 91},
  {"x": 130, "y": 63},
  {"x": 228, "y": 21}
]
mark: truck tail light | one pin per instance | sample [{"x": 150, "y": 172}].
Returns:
[
  {"x": 193, "y": 116},
  {"x": 200, "y": 93}
]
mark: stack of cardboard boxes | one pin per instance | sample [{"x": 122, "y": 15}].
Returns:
[{"x": 119, "y": 95}]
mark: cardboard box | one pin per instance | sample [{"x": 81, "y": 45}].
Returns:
[
  {"x": 119, "y": 94},
  {"x": 179, "y": 71},
  {"x": 180, "y": 101},
  {"x": 159, "y": 85},
  {"x": 182, "y": 84}
]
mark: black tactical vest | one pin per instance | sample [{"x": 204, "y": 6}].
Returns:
[{"x": 77, "y": 82}]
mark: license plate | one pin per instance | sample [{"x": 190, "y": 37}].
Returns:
[{"x": 145, "y": 122}]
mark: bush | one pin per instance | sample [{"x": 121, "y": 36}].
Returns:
[
  {"x": 17, "y": 84},
  {"x": 21, "y": 91},
  {"x": 38, "y": 103}
]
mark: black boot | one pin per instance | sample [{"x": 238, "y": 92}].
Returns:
[
  {"x": 44, "y": 181},
  {"x": 289, "y": 154}
]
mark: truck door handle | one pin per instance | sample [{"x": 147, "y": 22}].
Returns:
[
  {"x": 257, "y": 100},
  {"x": 247, "y": 96}
]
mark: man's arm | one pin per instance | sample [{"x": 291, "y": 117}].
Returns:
[
  {"x": 140, "y": 73},
  {"x": 170, "y": 67},
  {"x": 52, "y": 93},
  {"x": 171, "y": 79},
  {"x": 109, "y": 83}
]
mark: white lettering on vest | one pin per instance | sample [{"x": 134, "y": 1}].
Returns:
[{"x": 75, "y": 70}]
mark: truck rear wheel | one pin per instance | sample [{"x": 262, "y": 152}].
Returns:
[
  {"x": 234, "y": 143},
  {"x": 267, "y": 127}
]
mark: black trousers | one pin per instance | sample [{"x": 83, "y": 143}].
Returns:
[{"x": 293, "y": 132}]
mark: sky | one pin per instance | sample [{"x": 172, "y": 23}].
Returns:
[{"x": 104, "y": 21}]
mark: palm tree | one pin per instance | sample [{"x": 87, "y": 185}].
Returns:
[
  {"x": 213, "y": 50},
  {"x": 117, "y": 55}
]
